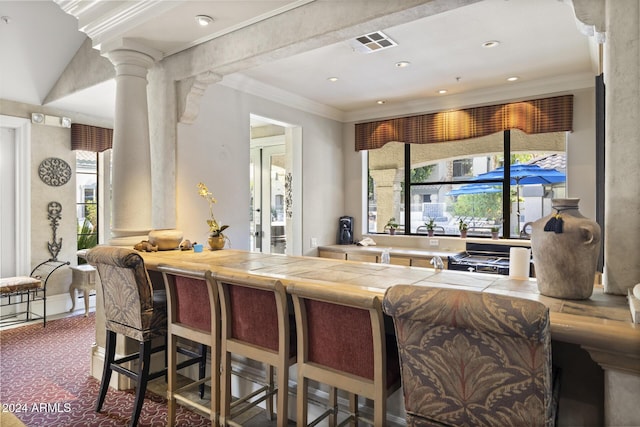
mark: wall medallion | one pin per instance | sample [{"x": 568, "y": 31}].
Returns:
[{"x": 54, "y": 172}]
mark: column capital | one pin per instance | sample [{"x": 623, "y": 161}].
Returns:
[{"x": 130, "y": 62}]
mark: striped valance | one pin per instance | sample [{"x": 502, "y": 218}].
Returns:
[
  {"x": 90, "y": 138},
  {"x": 535, "y": 116}
]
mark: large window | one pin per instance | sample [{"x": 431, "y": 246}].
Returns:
[
  {"x": 87, "y": 198},
  {"x": 466, "y": 181}
]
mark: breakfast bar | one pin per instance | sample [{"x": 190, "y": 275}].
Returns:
[{"x": 600, "y": 325}]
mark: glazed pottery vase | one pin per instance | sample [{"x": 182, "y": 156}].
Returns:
[
  {"x": 217, "y": 242},
  {"x": 565, "y": 246},
  {"x": 166, "y": 239}
]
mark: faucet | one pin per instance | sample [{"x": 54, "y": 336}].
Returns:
[{"x": 437, "y": 263}]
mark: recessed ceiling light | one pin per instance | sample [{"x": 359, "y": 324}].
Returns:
[
  {"x": 512, "y": 78},
  {"x": 203, "y": 20},
  {"x": 333, "y": 79},
  {"x": 442, "y": 91},
  {"x": 403, "y": 64},
  {"x": 490, "y": 43},
  {"x": 380, "y": 102}
]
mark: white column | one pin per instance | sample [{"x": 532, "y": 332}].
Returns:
[
  {"x": 622, "y": 134},
  {"x": 131, "y": 160}
]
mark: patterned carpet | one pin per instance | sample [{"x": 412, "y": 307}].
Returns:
[{"x": 44, "y": 380}]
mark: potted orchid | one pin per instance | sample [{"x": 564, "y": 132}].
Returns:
[{"x": 216, "y": 238}]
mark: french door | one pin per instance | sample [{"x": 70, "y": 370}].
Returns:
[{"x": 267, "y": 182}]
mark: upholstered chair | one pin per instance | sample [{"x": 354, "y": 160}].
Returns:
[
  {"x": 131, "y": 309},
  {"x": 472, "y": 359},
  {"x": 255, "y": 324},
  {"x": 342, "y": 343},
  {"x": 193, "y": 316}
]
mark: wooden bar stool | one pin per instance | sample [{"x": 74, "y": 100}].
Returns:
[
  {"x": 193, "y": 313},
  {"x": 342, "y": 343},
  {"x": 255, "y": 325}
]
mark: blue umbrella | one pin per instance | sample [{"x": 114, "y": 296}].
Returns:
[
  {"x": 473, "y": 189},
  {"x": 525, "y": 174}
]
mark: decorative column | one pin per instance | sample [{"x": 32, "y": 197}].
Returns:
[
  {"x": 131, "y": 160},
  {"x": 387, "y": 195},
  {"x": 622, "y": 135}
]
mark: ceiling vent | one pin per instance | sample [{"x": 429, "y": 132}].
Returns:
[{"x": 372, "y": 42}]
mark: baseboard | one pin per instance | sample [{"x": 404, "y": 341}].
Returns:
[{"x": 56, "y": 305}]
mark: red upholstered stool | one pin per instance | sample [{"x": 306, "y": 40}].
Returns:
[
  {"x": 342, "y": 343},
  {"x": 193, "y": 314},
  {"x": 255, "y": 325}
]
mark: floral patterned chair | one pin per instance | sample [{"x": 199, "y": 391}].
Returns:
[
  {"x": 472, "y": 359},
  {"x": 132, "y": 309}
]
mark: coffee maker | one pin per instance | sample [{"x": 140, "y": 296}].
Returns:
[{"x": 345, "y": 230}]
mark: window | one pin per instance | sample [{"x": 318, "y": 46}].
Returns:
[
  {"x": 87, "y": 198},
  {"x": 465, "y": 180}
]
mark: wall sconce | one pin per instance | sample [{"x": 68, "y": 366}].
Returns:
[
  {"x": 43, "y": 119},
  {"x": 37, "y": 118}
]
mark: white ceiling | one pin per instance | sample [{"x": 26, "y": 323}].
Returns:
[{"x": 539, "y": 43}]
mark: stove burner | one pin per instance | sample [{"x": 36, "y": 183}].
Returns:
[{"x": 484, "y": 258}]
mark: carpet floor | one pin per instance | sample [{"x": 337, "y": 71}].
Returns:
[{"x": 45, "y": 381}]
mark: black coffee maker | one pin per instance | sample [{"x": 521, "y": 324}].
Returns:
[{"x": 345, "y": 230}]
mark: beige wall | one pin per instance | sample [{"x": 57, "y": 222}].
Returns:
[
  {"x": 51, "y": 141},
  {"x": 215, "y": 150}
]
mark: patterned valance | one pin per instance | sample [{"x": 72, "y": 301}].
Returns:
[
  {"x": 534, "y": 116},
  {"x": 90, "y": 138}
]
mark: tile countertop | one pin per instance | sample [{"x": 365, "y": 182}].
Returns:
[
  {"x": 601, "y": 324},
  {"x": 394, "y": 251}
]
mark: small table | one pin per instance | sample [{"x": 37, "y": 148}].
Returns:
[{"x": 83, "y": 278}]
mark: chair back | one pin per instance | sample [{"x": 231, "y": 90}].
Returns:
[
  {"x": 342, "y": 330},
  {"x": 127, "y": 293},
  {"x": 254, "y": 315},
  {"x": 191, "y": 295},
  {"x": 472, "y": 359}
]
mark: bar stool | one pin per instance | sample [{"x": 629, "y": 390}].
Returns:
[
  {"x": 473, "y": 358},
  {"x": 342, "y": 343},
  {"x": 193, "y": 313},
  {"x": 255, "y": 324},
  {"x": 133, "y": 309}
]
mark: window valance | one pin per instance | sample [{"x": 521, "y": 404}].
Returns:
[
  {"x": 535, "y": 116},
  {"x": 90, "y": 138}
]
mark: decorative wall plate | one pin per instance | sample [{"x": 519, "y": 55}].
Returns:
[{"x": 54, "y": 172}]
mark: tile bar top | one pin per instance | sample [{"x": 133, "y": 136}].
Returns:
[{"x": 601, "y": 324}]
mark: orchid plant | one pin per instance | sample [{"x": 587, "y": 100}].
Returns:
[{"x": 215, "y": 229}]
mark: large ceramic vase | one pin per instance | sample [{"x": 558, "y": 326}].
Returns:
[{"x": 565, "y": 246}]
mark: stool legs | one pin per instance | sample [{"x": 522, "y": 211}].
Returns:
[
  {"x": 203, "y": 367},
  {"x": 109, "y": 355},
  {"x": 143, "y": 376}
]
